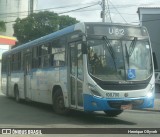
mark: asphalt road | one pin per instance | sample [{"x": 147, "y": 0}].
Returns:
[{"x": 36, "y": 115}]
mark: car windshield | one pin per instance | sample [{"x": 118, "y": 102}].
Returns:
[{"x": 116, "y": 60}]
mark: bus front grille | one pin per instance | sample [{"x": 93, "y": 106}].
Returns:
[{"x": 123, "y": 86}]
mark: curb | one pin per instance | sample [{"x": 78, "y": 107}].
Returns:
[
  {"x": 148, "y": 109},
  {"x": 151, "y": 109},
  {"x": 156, "y": 107}
]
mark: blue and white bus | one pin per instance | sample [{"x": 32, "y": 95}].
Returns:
[{"x": 86, "y": 66}]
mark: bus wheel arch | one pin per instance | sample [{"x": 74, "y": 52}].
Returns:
[
  {"x": 58, "y": 100},
  {"x": 16, "y": 93}
]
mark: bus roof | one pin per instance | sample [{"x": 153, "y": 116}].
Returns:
[{"x": 67, "y": 30}]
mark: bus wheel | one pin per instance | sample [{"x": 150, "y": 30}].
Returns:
[
  {"x": 16, "y": 94},
  {"x": 58, "y": 102},
  {"x": 113, "y": 113}
]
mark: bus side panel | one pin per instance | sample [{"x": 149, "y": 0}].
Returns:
[
  {"x": 42, "y": 82},
  {"x": 10, "y": 85},
  {"x": 21, "y": 85},
  {"x": 37, "y": 86},
  {"x": 64, "y": 85},
  {"x": 49, "y": 76},
  {"x": 34, "y": 86},
  {"x": 17, "y": 79},
  {"x": 4, "y": 83}
]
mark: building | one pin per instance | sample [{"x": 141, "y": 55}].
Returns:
[
  {"x": 150, "y": 18},
  {"x": 5, "y": 43},
  {"x": 10, "y": 10}
]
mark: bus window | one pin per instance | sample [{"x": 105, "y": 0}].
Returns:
[
  {"x": 80, "y": 62},
  {"x": 16, "y": 62},
  {"x": 73, "y": 59},
  {"x": 57, "y": 53},
  {"x": 4, "y": 64},
  {"x": 35, "y": 57},
  {"x": 21, "y": 64},
  {"x": 39, "y": 56},
  {"x": 19, "y": 61},
  {"x": 45, "y": 55}
]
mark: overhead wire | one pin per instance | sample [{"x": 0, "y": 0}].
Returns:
[
  {"x": 108, "y": 7},
  {"x": 67, "y": 6},
  {"x": 47, "y": 9},
  {"x": 67, "y": 11},
  {"x": 151, "y": 20},
  {"x": 147, "y": 20},
  {"x": 73, "y": 5},
  {"x": 131, "y": 5},
  {"x": 78, "y": 9},
  {"x": 81, "y": 9},
  {"x": 118, "y": 11}
]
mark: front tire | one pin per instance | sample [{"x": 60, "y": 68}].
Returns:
[
  {"x": 113, "y": 113},
  {"x": 58, "y": 102}
]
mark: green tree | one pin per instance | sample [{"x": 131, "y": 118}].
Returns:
[
  {"x": 2, "y": 26},
  {"x": 65, "y": 21},
  {"x": 40, "y": 24}
]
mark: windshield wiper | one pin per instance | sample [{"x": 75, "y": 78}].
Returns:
[
  {"x": 110, "y": 49},
  {"x": 132, "y": 46},
  {"x": 131, "y": 49}
]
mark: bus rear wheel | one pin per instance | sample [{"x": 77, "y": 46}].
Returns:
[
  {"x": 58, "y": 102},
  {"x": 113, "y": 113}
]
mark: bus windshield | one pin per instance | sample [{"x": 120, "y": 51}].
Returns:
[{"x": 116, "y": 60}]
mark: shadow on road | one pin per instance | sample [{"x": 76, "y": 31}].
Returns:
[
  {"x": 38, "y": 114},
  {"x": 98, "y": 118}
]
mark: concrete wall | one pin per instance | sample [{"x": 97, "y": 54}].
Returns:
[
  {"x": 152, "y": 23},
  {"x": 10, "y": 10}
]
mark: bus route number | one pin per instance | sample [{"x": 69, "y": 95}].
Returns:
[{"x": 116, "y": 31}]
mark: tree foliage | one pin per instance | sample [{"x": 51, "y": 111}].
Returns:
[
  {"x": 2, "y": 26},
  {"x": 39, "y": 24}
]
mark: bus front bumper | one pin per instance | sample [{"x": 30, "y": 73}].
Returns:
[{"x": 94, "y": 103}]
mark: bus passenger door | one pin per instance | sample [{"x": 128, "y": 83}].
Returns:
[
  {"x": 76, "y": 75},
  {"x": 27, "y": 76}
]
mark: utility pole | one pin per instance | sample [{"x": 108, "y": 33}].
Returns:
[
  {"x": 103, "y": 13},
  {"x": 31, "y": 6}
]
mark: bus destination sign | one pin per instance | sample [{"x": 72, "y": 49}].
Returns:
[{"x": 117, "y": 31}]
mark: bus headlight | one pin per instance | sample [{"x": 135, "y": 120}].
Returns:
[
  {"x": 93, "y": 90},
  {"x": 149, "y": 94},
  {"x": 151, "y": 91}
]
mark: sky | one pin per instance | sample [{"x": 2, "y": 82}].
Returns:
[{"x": 121, "y": 11}]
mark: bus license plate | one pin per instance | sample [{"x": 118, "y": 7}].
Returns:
[{"x": 129, "y": 106}]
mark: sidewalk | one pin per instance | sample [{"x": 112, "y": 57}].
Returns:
[{"x": 156, "y": 103}]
